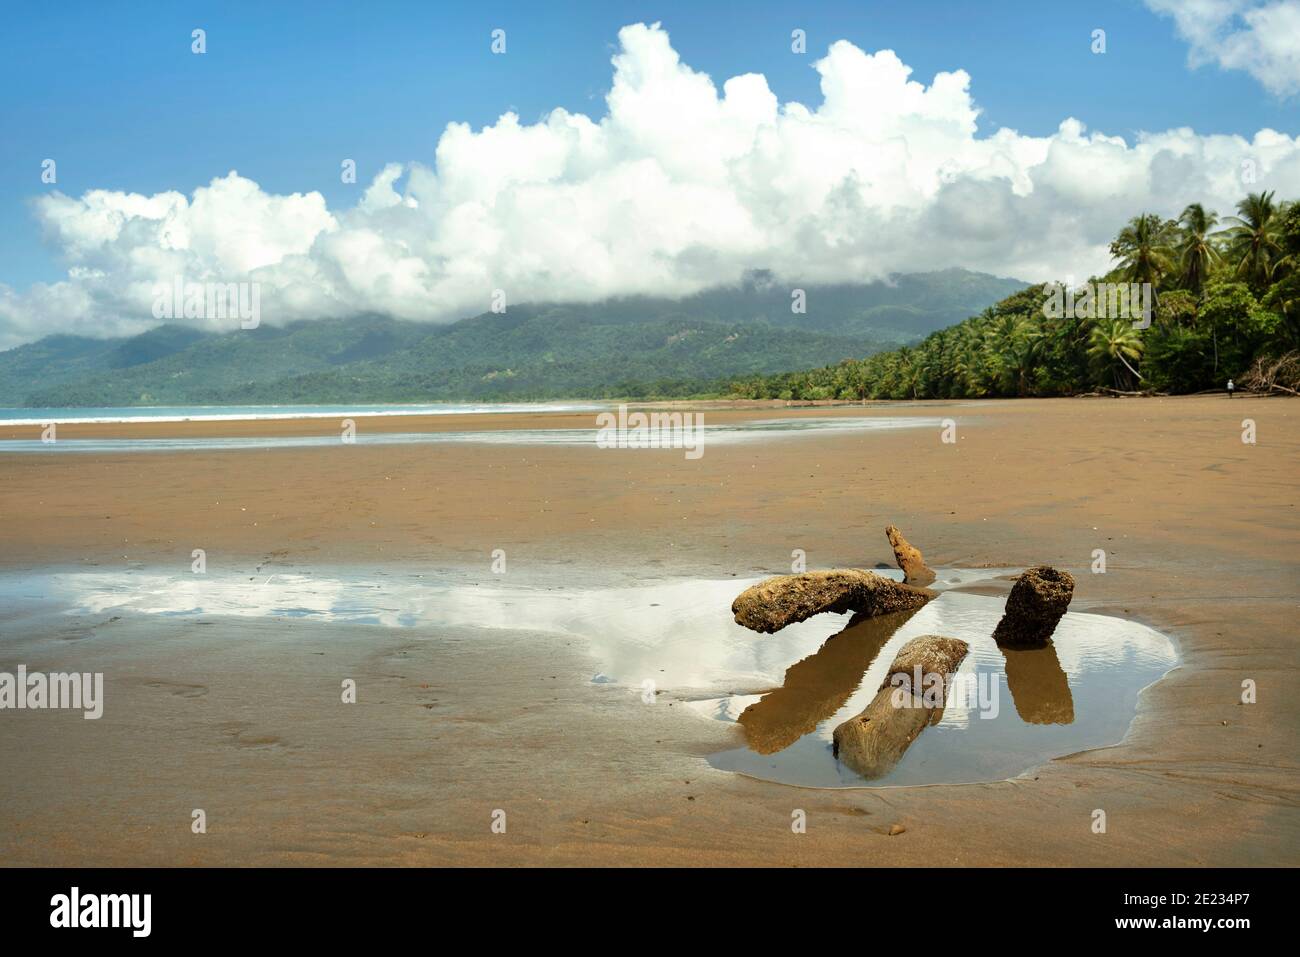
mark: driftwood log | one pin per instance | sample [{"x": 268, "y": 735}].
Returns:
[
  {"x": 908, "y": 557},
  {"x": 873, "y": 742},
  {"x": 772, "y": 604},
  {"x": 1037, "y": 601}
]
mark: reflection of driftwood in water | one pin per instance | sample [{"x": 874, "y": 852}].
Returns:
[
  {"x": 1038, "y": 685},
  {"x": 817, "y": 687},
  {"x": 873, "y": 742},
  {"x": 772, "y": 604}
]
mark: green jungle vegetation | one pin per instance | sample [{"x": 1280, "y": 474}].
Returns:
[{"x": 1226, "y": 304}]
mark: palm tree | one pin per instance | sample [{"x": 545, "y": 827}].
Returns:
[
  {"x": 1018, "y": 340},
  {"x": 1197, "y": 254},
  {"x": 907, "y": 375},
  {"x": 1252, "y": 242},
  {"x": 1143, "y": 249},
  {"x": 1114, "y": 342},
  {"x": 965, "y": 360}
]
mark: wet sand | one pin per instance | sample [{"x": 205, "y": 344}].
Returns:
[{"x": 1202, "y": 540}]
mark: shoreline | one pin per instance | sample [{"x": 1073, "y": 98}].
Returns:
[
  {"x": 486, "y": 418},
  {"x": 324, "y": 424}
]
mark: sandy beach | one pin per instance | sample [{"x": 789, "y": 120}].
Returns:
[{"x": 240, "y": 716}]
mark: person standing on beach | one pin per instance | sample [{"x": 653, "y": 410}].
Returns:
[{"x": 1231, "y": 387}]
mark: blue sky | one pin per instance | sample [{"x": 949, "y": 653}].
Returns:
[{"x": 112, "y": 92}]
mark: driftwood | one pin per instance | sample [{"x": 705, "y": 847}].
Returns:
[
  {"x": 772, "y": 604},
  {"x": 873, "y": 742},
  {"x": 1037, "y": 601},
  {"x": 1263, "y": 377},
  {"x": 908, "y": 557},
  {"x": 1108, "y": 391}
]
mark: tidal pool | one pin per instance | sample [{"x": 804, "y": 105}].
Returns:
[
  {"x": 675, "y": 640},
  {"x": 1011, "y": 710}
]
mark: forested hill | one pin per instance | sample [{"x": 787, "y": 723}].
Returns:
[
  {"x": 619, "y": 348},
  {"x": 1226, "y": 300}
]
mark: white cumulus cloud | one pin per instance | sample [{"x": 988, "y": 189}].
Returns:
[
  {"x": 678, "y": 187},
  {"x": 1261, "y": 37}
]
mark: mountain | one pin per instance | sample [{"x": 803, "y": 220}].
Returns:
[
  {"x": 630, "y": 347},
  {"x": 908, "y": 306}
]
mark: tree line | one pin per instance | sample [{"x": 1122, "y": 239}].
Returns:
[{"x": 1225, "y": 304}]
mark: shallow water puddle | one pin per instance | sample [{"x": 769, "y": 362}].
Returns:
[
  {"x": 785, "y": 692},
  {"x": 727, "y": 434},
  {"x": 1011, "y": 710}
]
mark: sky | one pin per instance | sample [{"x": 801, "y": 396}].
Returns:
[{"x": 612, "y": 148}]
